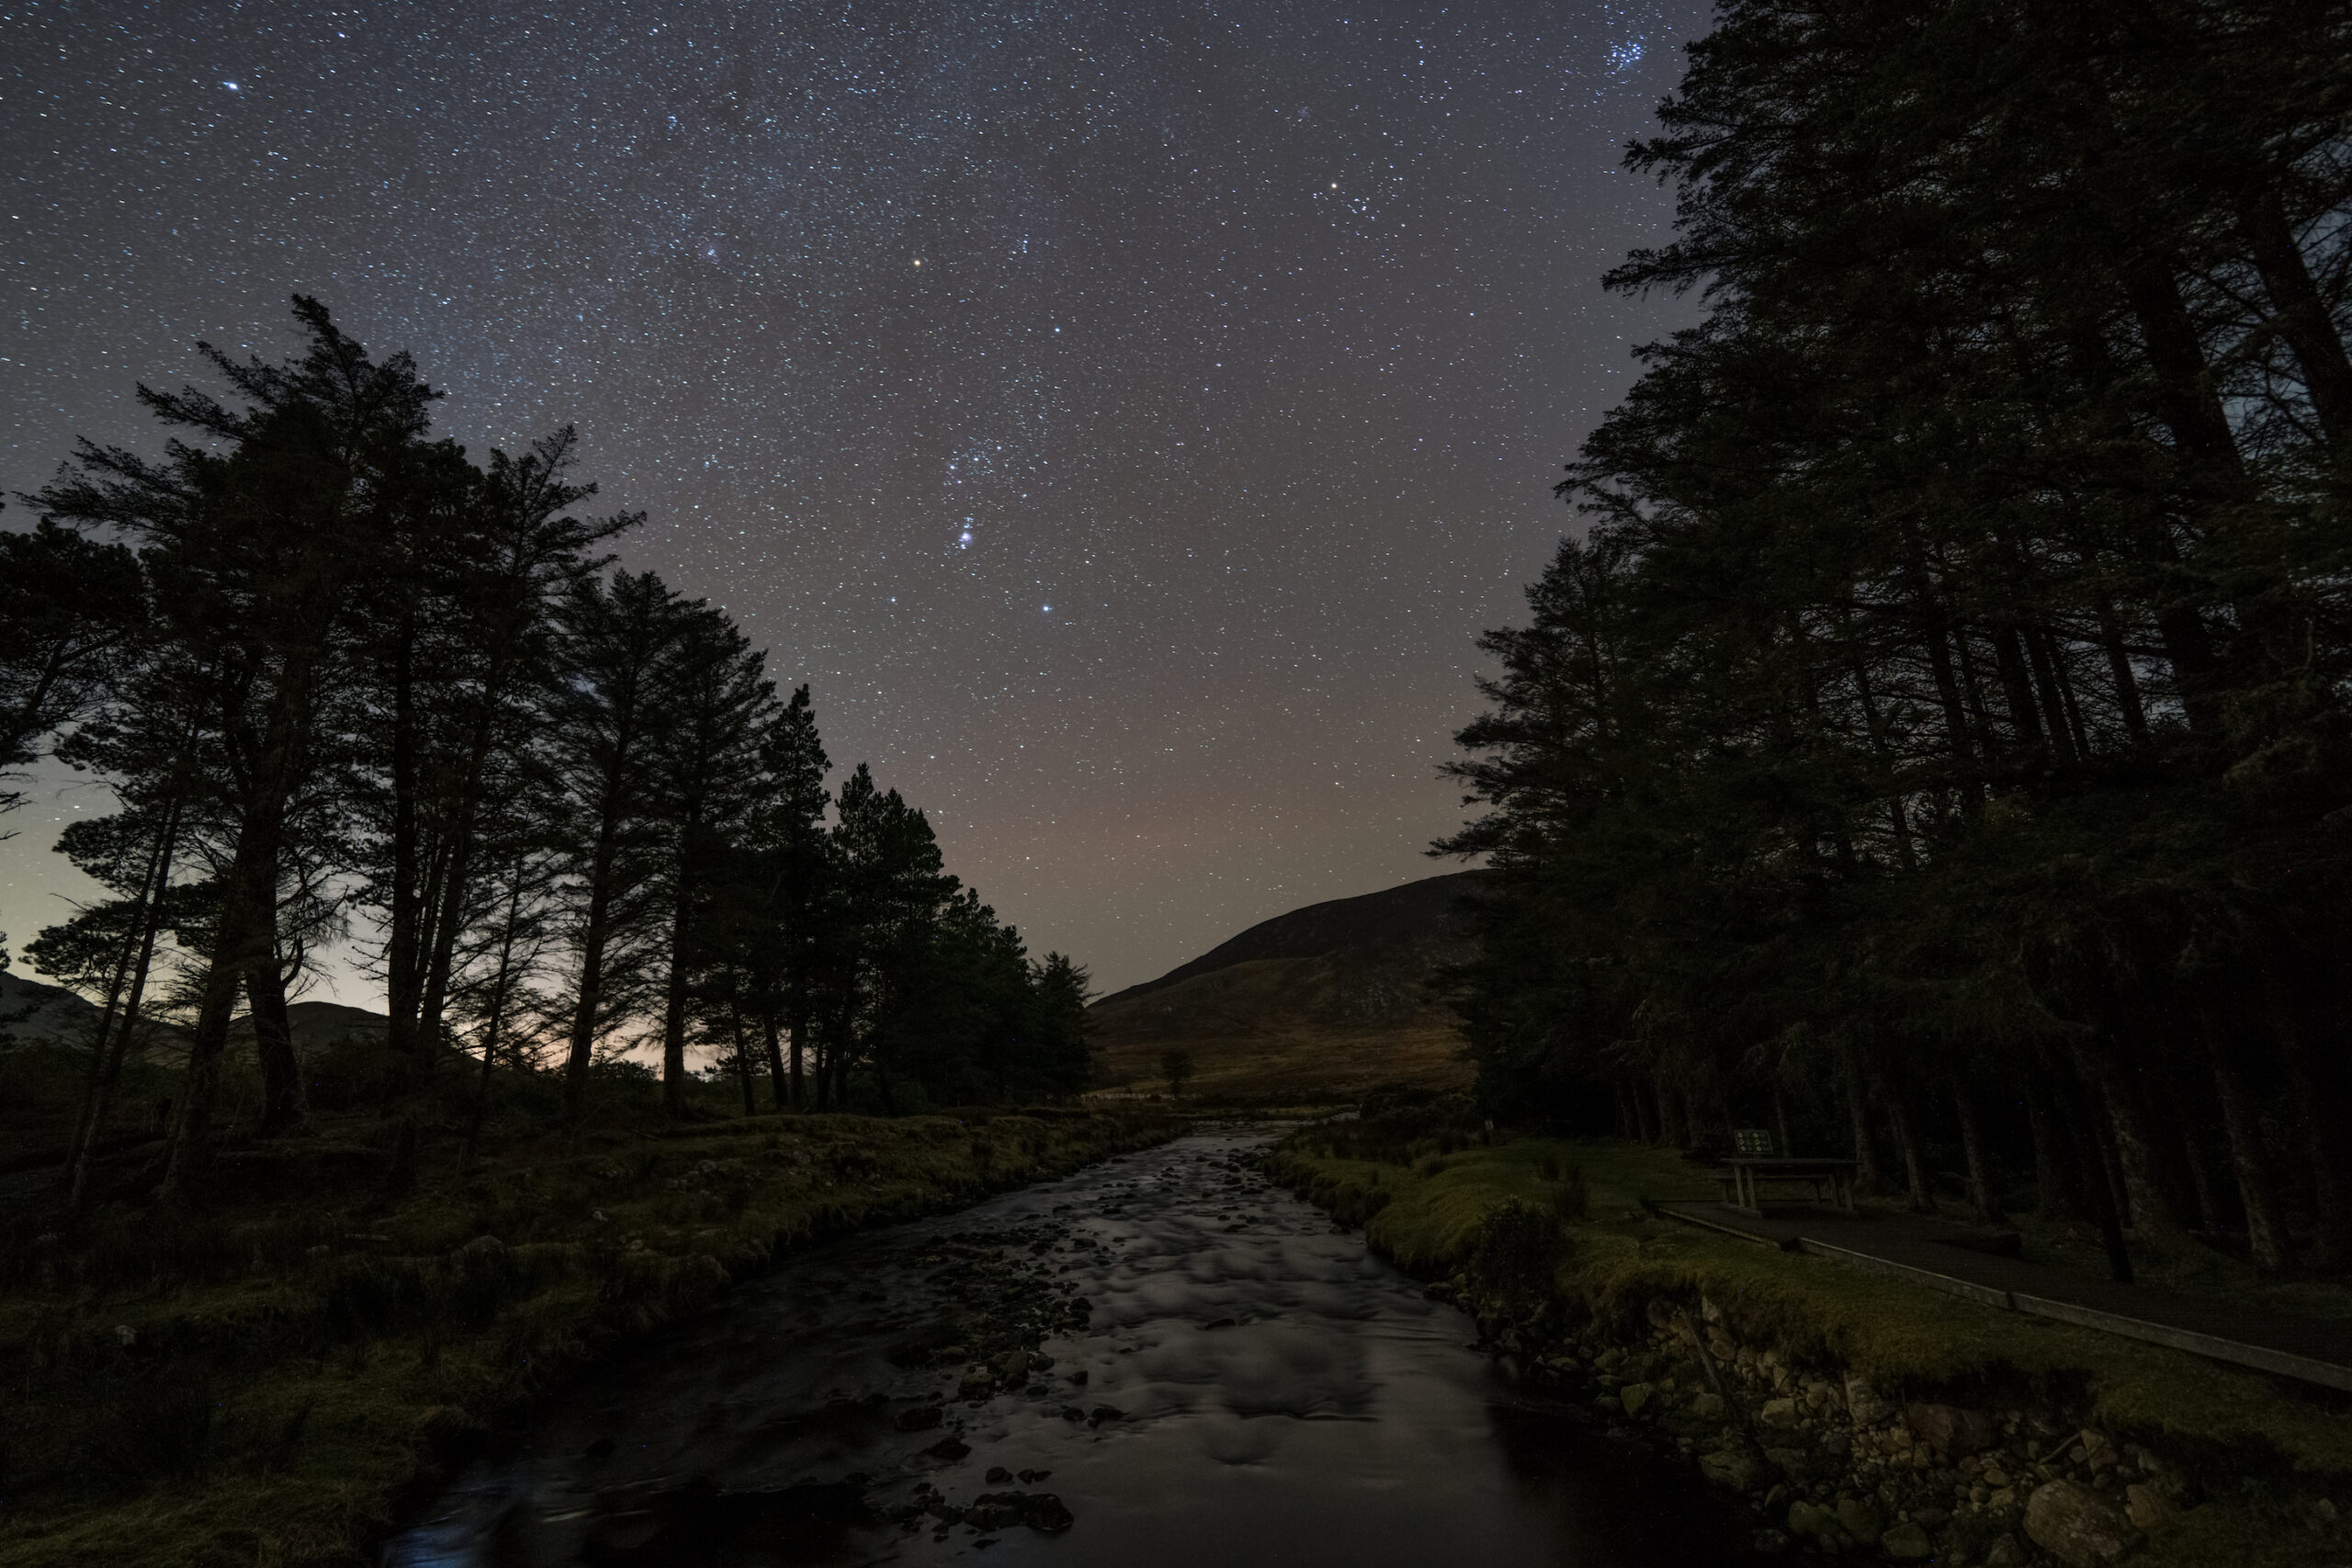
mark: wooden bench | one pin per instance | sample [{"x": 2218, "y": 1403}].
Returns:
[{"x": 1753, "y": 1162}]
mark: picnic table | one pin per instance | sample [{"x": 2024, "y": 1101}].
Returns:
[{"x": 1753, "y": 1162}]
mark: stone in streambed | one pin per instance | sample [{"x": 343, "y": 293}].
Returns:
[
  {"x": 2076, "y": 1525},
  {"x": 1865, "y": 1404},
  {"x": 949, "y": 1449},
  {"x": 1633, "y": 1396},
  {"x": 997, "y": 1476},
  {"x": 1038, "y": 1510},
  {"x": 918, "y": 1418},
  {"x": 1811, "y": 1521},
  {"x": 1731, "y": 1469},
  {"x": 1906, "y": 1543},
  {"x": 1859, "y": 1518},
  {"x": 1952, "y": 1430},
  {"x": 2098, "y": 1452},
  {"x": 2144, "y": 1505}
]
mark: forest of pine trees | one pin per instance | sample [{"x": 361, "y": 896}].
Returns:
[
  {"x": 1934, "y": 742},
  {"x": 357, "y": 694}
]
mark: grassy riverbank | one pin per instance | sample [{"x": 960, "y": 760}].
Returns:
[
  {"x": 2268, "y": 1444},
  {"x": 266, "y": 1382}
]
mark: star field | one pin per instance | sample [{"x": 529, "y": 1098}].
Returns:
[{"x": 1124, "y": 418}]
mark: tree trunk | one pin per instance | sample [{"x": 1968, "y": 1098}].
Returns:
[
  {"x": 826, "y": 1048},
  {"x": 1983, "y": 1195},
  {"x": 674, "y": 1007},
  {"x": 2058, "y": 710},
  {"x": 1867, "y": 1176},
  {"x": 2311, "y": 1031},
  {"x": 2118, "y": 665},
  {"x": 106, "y": 1055},
  {"x": 779, "y": 1090},
  {"x": 245, "y": 935},
  {"x": 838, "y": 1054},
  {"x": 119, "y": 1031},
  {"x": 457, "y": 875},
  {"x": 2184, "y": 397},
  {"x": 1907, "y": 1144},
  {"x": 2057, "y": 1193},
  {"x": 2102, "y": 1188},
  {"x": 2204, "y": 1189},
  {"x": 593, "y": 938},
  {"x": 1669, "y": 1126},
  {"x": 400, "y": 969},
  {"x": 2265, "y": 1229},
  {"x": 2009, "y": 654},
  {"x": 2300, "y": 316},
  {"x": 742, "y": 1060},
  {"x": 281, "y": 1073},
  {"x": 492, "y": 1026},
  {"x": 481, "y": 1092},
  {"x": 2153, "y": 1214},
  {"x": 799, "y": 1032}
]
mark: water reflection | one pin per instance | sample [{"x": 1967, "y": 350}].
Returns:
[{"x": 1248, "y": 1387}]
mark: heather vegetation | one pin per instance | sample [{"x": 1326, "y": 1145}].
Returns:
[{"x": 1932, "y": 745}]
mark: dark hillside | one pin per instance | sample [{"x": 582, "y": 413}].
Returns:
[
  {"x": 1317, "y": 1004},
  {"x": 1419, "y": 917}
]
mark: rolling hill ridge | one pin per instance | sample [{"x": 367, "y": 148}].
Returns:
[{"x": 1315, "y": 1005}]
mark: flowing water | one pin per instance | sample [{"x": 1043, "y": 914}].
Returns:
[{"x": 1231, "y": 1381}]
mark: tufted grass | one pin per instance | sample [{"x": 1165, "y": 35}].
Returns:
[
  {"x": 1912, "y": 1341},
  {"x": 298, "y": 1366}
]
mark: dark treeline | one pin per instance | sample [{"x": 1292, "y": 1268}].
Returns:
[
  {"x": 352, "y": 688},
  {"x": 1936, "y": 741}
]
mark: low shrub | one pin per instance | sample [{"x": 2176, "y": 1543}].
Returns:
[
  {"x": 1518, "y": 1250},
  {"x": 1571, "y": 1200}
]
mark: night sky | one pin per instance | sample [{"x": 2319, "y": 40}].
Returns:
[{"x": 1124, "y": 418}]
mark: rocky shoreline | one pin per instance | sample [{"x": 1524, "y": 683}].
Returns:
[
  {"x": 1827, "y": 1464},
  {"x": 1831, "y": 1464}
]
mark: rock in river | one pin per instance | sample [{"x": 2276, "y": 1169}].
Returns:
[
  {"x": 1906, "y": 1543},
  {"x": 2076, "y": 1525},
  {"x": 1038, "y": 1510}
]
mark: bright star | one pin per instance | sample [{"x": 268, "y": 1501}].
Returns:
[{"x": 231, "y": 85}]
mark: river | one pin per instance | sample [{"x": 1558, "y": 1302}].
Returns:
[{"x": 1250, "y": 1386}]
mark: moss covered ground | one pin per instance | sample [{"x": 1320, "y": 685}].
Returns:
[
  {"x": 1425, "y": 1209},
  {"x": 268, "y": 1381}
]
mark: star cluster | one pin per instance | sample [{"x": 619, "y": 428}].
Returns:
[{"x": 1124, "y": 417}]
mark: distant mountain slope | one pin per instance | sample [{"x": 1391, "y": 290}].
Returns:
[
  {"x": 1319, "y": 1003},
  {"x": 48, "y": 1012},
  {"x": 54, "y": 1015},
  {"x": 324, "y": 1023},
  {"x": 1419, "y": 915}
]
